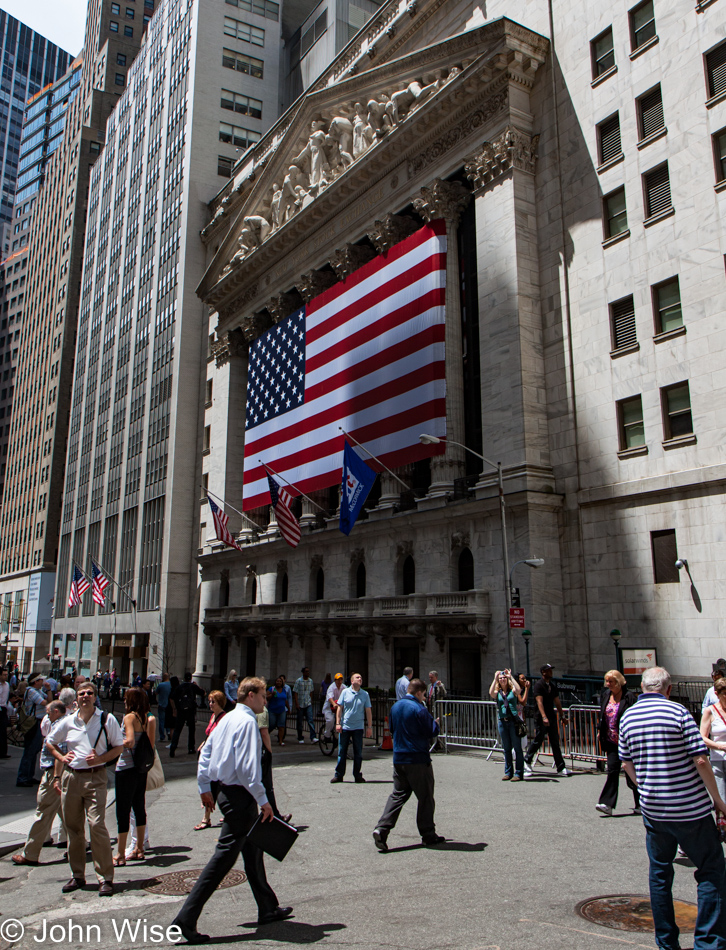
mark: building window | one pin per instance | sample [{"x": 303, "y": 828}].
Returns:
[
  {"x": 208, "y": 393},
  {"x": 665, "y": 555},
  {"x": 264, "y": 8},
  {"x": 320, "y": 584},
  {"x": 243, "y": 64},
  {"x": 313, "y": 33},
  {"x": 716, "y": 71},
  {"x": 719, "y": 154},
  {"x": 409, "y": 576},
  {"x": 284, "y": 584},
  {"x": 657, "y": 191},
  {"x": 207, "y": 439},
  {"x": 115, "y": 9},
  {"x": 466, "y": 570},
  {"x": 113, "y": 26},
  {"x": 120, "y": 79},
  {"x": 622, "y": 323},
  {"x": 244, "y": 31},
  {"x": 128, "y": 31},
  {"x": 631, "y": 429},
  {"x": 608, "y": 139},
  {"x": 129, "y": 13},
  {"x": 677, "y": 418},
  {"x": 615, "y": 213},
  {"x": 234, "y": 135},
  {"x": 94, "y": 147},
  {"x": 642, "y": 24},
  {"x": 360, "y": 580},
  {"x": 244, "y": 105},
  {"x": 202, "y": 534},
  {"x": 667, "y": 306},
  {"x": 120, "y": 59},
  {"x": 602, "y": 52},
  {"x": 650, "y": 113},
  {"x": 225, "y": 166}
]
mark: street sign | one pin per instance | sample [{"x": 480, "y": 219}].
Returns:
[
  {"x": 516, "y": 618},
  {"x": 637, "y": 660},
  {"x": 516, "y": 600}
]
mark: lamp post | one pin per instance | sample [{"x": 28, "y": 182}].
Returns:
[
  {"x": 526, "y": 634},
  {"x": 435, "y": 440},
  {"x": 615, "y": 637}
]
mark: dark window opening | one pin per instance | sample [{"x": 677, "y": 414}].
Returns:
[
  {"x": 665, "y": 555},
  {"x": 360, "y": 581},
  {"x": 320, "y": 584},
  {"x": 409, "y": 576},
  {"x": 466, "y": 570}
]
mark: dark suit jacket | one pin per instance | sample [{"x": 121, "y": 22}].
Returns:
[{"x": 626, "y": 701}]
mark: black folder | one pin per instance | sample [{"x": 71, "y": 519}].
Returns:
[{"x": 274, "y": 837}]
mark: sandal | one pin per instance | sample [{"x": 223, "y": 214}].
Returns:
[
  {"x": 206, "y": 823},
  {"x": 119, "y": 861},
  {"x": 137, "y": 856}
]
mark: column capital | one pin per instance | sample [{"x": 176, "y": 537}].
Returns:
[
  {"x": 511, "y": 149},
  {"x": 349, "y": 258},
  {"x": 392, "y": 229},
  {"x": 253, "y": 326},
  {"x": 442, "y": 199},
  {"x": 314, "y": 283},
  {"x": 229, "y": 345},
  {"x": 282, "y": 305}
]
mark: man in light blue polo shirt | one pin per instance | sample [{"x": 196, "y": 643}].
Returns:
[{"x": 354, "y": 710}]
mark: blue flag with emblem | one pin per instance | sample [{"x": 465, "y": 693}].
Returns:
[{"x": 358, "y": 479}]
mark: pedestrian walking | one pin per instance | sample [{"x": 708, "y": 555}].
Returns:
[
  {"x": 288, "y": 693},
  {"x": 48, "y": 802},
  {"x": 413, "y": 728},
  {"x": 331, "y": 703},
  {"x": 231, "y": 756},
  {"x": 403, "y": 681},
  {"x": 436, "y": 691},
  {"x": 615, "y": 698},
  {"x": 302, "y": 697},
  {"x": 92, "y": 739},
  {"x": 354, "y": 709},
  {"x": 217, "y": 707},
  {"x": 664, "y": 754},
  {"x": 718, "y": 672},
  {"x": 524, "y": 687},
  {"x": 185, "y": 706},
  {"x": 277, "y": 709},
  {"x": 33, "y": 709},
  {"x": 713, "y": 730},
  {"x": 163, "y": 691},
  {"x": 231, "y": 685},
  {"x": 5, "y": 710},
  {"x": 505, "y": 691},
  {"x": 549, "y": 706},
  {"x": 130, "y": 779}
]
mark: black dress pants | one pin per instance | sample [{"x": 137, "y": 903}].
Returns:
[
  {"x": 266, "y": 767},
  {"x": 240, "y": 813},
  {"x": 4, "y": 722},
  {"x": 187, "y": 719},
  {"x": 407, "y": 780},
  {"x": 541, "y": 731},
  {"x": 609, "y": 794}
]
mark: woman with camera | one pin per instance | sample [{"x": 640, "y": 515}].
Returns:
[{"x": 506, "y": 692}]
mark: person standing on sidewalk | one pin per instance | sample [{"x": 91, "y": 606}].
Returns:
[
  {"x": 664, "y": 754},
  {"x": 302, "y": 693},
  {"x": 505, "y": 691},
  {"x": 4, "y": 709},
  {"x": 35, "y": 700},
  {"x": 231, "y": 685},
  {"x": 185, "y": 704},
  {"x": 163, "y": 691},
  {"x": 413, "y": 729},
  {"x": 331, "y": 704},
  {"x": 354, "y": 707},
  {"x": 615, "y": 698},
  {"x": 92, "y": 738},
  {"x": 547, "y": 697},
  {"x": 403, "y": 681}
]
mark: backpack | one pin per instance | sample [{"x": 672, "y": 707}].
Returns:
[
  {"x": 143, "y": 754},
  {"x": 26, "y": 720},
  {"x": 104, "y": 717},
  {"x": 185, "y": 698}
]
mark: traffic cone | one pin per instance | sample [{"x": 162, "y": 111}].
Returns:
[{"x": 387, "y": 744}]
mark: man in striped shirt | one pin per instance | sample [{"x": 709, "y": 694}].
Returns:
[{"x": 663, "y": 753}]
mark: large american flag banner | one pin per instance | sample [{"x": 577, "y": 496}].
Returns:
[
  {"x": 367, "y": 356},
  {"x": 79, "y": 586}
]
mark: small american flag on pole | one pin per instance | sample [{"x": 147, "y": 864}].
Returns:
[
  {"x": 100, "y": 583},
  {"x": 286, "y": 520},
  {"x": 79, "y": 586},
  {"x": 220, "y": 525}
]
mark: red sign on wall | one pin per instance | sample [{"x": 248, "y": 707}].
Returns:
[{"x": 516, "y": 617}]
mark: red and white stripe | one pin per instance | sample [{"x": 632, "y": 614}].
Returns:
[
  {"x": 286, "y": 520},
  {"x": 374, "y": 366}
]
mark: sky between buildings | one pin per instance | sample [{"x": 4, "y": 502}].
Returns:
[{"x": 60, "y": 22}]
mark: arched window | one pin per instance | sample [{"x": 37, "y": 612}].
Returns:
[
  {"x": 253, "y": 590},
  {"x": 466, "y": 570},
  {"x": 283, "y": 589},
  {"x": 320, "y": 584},
  {"x": 224, "y": 590},
  {"x": 409, "y": 576},
  {"x": 360, "y": 580}
]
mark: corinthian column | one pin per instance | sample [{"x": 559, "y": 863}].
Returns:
[{"x": 447, "y": 200}]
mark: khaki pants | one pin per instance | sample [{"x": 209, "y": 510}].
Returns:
[
  {"x": 84, "y": 796},
  {"x": 48, "y": 806}
]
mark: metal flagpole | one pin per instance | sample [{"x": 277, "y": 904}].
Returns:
[
  {"x": 273, "y": 472},
  {"x": 114, "y": 581},
  {"x": 375, "y": 459},
  {"x": 227, "y": 505}
]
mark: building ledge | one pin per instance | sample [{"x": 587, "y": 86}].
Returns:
[
  {"x": 610, "y": 163},
  {"x": 603, "y": 76},
  {"x": 714, "y": 100},
  {"x": 720, "y": 186},
  {"x": 644, "y": 47},
  {"x": 682, "y": 440},
  {"x": 661, "y": 216},
  {"x": 669, "y": 334},
  {"x": 653, "y": 137},
  {"x": 624, "y": 350},
  {"x": 700, "y": 7},
  {"x": 608, "y": 242},
  {"x": 634, "y": 452}
]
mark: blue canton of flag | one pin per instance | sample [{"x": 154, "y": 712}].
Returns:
[
  {"x": 276, "y": 373},
  {"x": 358, "y": 479}
]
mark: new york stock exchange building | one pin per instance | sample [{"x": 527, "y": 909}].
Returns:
[{"x": 440, "y": 122}]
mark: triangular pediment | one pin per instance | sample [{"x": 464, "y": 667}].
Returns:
[{"x": 331, "y": 137}]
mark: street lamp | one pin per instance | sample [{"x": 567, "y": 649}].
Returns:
[
  {"x": 615, "y": 637},
  {"x": 435, "y": 440},
  {"x": 526, "y": 634}
]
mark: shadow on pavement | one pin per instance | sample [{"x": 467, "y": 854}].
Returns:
[
  {"x": 288, "y": 931},
  {"x": 165, "y": 861},
  {"x": 446, "y": 846}
]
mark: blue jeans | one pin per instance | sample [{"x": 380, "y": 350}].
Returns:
[
  {"x": 510, "y": 740},
  {"x": 307, "y": 713},
  {"x": 32, "y": 744},
  {"x": 277, "y": 719},
  {"x": 699, "y": 839},
  {"x": 345, "y": 737},
  {"x": 161, "y": 716}
]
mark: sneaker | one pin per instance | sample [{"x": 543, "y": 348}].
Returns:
[
  {"x": 604, "y": 809},
  {"x": 681, "y": 852},
  {"x": 315, "y": 739},
  {"x": 637, "y": 811},
  {"x": 379, "y": 837},
  {"x": 301, "y": 742},
  {"x": 564, "y": 772},
  {"x": 168, "y": 746},
  {"x": 527, "y": 768}
]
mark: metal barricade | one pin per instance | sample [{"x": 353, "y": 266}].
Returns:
[
  {"x": 582, "y": 732},
  {"x": 468, "y": 724}
]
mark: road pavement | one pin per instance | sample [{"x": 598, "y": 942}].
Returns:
[{"x": 517, "y": 860}]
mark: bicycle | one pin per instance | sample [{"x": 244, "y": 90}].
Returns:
[{"x": 329, "y": 744}]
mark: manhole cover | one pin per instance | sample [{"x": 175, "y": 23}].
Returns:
[
  {"x": 632, "y": 912},
  {"x": 181, "y": 882}
]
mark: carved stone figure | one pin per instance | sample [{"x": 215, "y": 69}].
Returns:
[
  {"x": 313, "y": 158},
  {"x": 275, "y": 205},
  {"x": 405, "y": 100},
  {"x": 363, "y": 134},
  {"x": 378, "y": 118},
  {"x": 289, "y": 202},
  {"x": 341, "y": 131},
  {"x": 255, "y": 230}
]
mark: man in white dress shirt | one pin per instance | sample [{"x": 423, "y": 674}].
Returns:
[
  {"x": 403, "y": 681},
  {"x": 231, "y": 756}
]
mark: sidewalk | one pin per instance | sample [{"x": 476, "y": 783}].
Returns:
[{"x": 517, "y": 860}]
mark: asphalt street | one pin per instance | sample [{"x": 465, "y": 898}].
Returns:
[{"x": 516, "y": 862}]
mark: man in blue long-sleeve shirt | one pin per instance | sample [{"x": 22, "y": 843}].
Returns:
[{"x": 413, "y": 729}]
